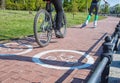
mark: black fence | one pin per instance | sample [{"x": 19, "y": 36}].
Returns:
[{"x": 110, "y": 45}]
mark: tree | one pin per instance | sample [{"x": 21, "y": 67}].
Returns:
[
  {"x": 117, "y": 8},
  {"x": 3, "y": 4},
  {"x": 67, "y": 5},
  {"x": 104, "y": 8},
  {"x": 74, "y": 7},
  {"x": 37, "y": 4}
]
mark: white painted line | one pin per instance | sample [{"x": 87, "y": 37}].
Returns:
[
  {"x": 36, "y": 59},
  {"x": 30, "y": 48}
]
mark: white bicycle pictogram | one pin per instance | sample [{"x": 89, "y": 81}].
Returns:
[{"x": 68, "y": 59}]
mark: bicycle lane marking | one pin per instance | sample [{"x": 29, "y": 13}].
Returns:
[
  {"x": 36, "y": 59},
  {"x": 7, "y": 48}
]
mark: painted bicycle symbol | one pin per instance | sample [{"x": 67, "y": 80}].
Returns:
[
  {"x": 69, "y": 59},
  {"x": 61, "y": 57}
]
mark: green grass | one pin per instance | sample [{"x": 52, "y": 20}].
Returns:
[
  {"x": 17, "y": 24},
  {"x": 78, "y": 19}
]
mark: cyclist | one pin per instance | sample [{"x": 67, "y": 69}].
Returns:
[
  {"x": 94, "y": 5},
  {"x": 59, "y": 14}
]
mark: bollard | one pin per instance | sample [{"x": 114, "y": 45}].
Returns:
[
  {"x": 108, "y": 49},
  {"x": 107, "y": 45}
]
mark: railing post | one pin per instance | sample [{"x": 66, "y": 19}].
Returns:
[
  {"x": 118, "y": 25},
  {"x": 107, "y": 52},
  {"x": 117, "y": 35},
  {"x": 105, "y": 74}
]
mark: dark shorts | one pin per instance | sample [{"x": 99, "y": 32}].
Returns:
[{"x": 92, "y": 7}]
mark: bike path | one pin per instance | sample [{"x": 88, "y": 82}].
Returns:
[{"x": 68, "y": 60}]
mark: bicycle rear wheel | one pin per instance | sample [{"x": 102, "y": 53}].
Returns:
[{"x": 42, "y": 28}]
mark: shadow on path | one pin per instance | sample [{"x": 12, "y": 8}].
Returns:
[{"x": 76, "y": 80}]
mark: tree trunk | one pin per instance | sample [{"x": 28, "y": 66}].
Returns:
[
  {"x": 3, "y": 4},
  {"x": 24, "y": 2}
]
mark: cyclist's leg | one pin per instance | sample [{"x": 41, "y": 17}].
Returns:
[
  {"x": 96, "y": 16},
  {"x": 48, "y": 8},
  {"x": 59, "y": 15},
  {"x": 59, "y": 11}
]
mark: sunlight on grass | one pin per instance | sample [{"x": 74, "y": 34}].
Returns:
[{"x": 15, "y": 24}]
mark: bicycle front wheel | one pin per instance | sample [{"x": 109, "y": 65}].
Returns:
[{"x": 42, "y": 28}]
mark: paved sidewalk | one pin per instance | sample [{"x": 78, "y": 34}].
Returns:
[
  {"x": 68, "y": 60},
  {"x": 114, "y": 76}
]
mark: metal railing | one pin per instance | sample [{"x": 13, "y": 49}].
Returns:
[{"x": 109, "y": 46}]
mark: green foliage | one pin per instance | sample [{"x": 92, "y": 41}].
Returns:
[
  {"x": 67, "y": 5},
  {"x": 73, "y": 5},
  {"x": 31, "y": 5},
  {"x": 39, "y": 4},
  {"x": 117, "y": 8},
  {"x": 24, "y": 4},
  {"x": 78, "y": 5},
  {"x": 105, "y": 8}
]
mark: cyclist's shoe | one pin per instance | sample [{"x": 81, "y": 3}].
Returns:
[
  {"x": 58, "y": 34},
  {"x": 83, "y": 25}
]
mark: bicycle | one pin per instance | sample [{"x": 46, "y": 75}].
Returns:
[{"x": 44, "y": 24}]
